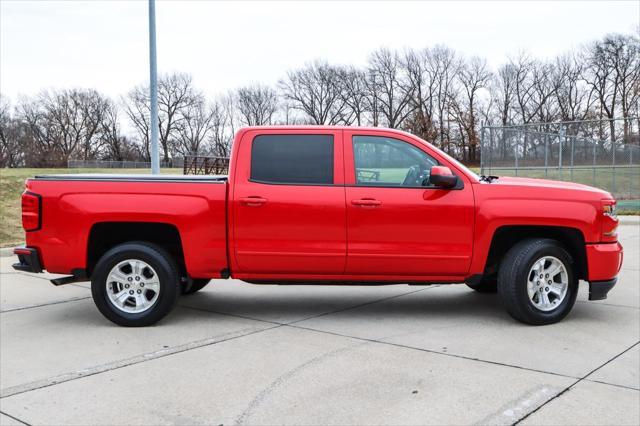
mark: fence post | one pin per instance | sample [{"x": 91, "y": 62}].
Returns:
[
  {"x": 630, "y": 173},
  {"x": 490, "y": 149},
  {"x": 573, "y": 144},
  {"x": 483, "y": 149},
  {"x": 515, "y": 155},
  {"x": 613, "y": 164},
  {"x": 561, "y": 144},
  {"x": 595, "y": 145},
  {"x": 546, "y": 154}
]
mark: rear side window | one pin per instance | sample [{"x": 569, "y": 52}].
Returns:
[{"x": 296, "y": 159}]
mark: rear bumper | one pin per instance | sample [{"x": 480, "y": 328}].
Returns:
[
  {"x": 28, "y": 260},
  {"x": 598, "y": 289},
  {"x": 604, "y": 261}
]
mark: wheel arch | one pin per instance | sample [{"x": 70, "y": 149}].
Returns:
[
  {"x": 507, "y": 236},
  {"x": 105, "y": 235}
]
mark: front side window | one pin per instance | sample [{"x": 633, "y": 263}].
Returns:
[
  {"x": 382, "y": 161},
  {"x": 293, "y": 159}
]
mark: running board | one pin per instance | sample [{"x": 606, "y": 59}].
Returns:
[{"x": 78, "y": 275}]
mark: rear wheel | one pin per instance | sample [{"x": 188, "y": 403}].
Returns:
[
  {"x": 536, "y": 282},
  {"x": 135, "y": 284},
  {"x": 193, "y": 286}
]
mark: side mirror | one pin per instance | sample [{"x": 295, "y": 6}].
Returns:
[{"x": 442, "y": 177}]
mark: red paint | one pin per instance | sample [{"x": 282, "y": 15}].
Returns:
[
  {"x": 339, "y": 232},
  {"x": 604, "y": 261}
]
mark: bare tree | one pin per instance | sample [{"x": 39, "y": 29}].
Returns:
[
  {"x": 65, "y": 123},
  {"x": 110, "y": 132},
  {"x": 422, "y": 121},
  {"x": 315, "y": 90},
  {"x": 442, "y": 67},
  {"x": 354, "y": 94},
  {"x": 613, "y": 71},
  {"x": 222, "y": 127},
  {"x": 433, "y": 93},
  {"x": 533, "y": 88},
  {"x": 473, "y": 76},
  {"x": 11, "y": 136},
  {"x": 256, "y": 104},
  {"x": 117, "y": 146},
  {"x": 574, "y": 97},
  {"x": 175, "y": 92},
  {"x": 390, "y": 87},
  {"x": 194, "y": 127}
]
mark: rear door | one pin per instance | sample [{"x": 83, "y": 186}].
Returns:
[
  {"x": 289, "y": 203},
  {"x": 397, "y": 223}
]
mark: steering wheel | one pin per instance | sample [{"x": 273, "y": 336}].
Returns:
[{"x": 412, "y": 177}]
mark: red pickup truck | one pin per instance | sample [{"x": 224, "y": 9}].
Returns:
[{"x": 322, "y": 205}]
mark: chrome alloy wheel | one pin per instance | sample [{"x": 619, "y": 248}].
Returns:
[
  {"x": 547, "y": 283},
  {"x": 133, "y": 286}
]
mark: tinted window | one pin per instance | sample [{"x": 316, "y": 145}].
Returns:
[
  {"x": 305, "y": 159},
  {"x": 381, "y": 161}
]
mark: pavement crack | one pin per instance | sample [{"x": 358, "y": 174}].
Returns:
[
  {"x": 41, "y": 305},
  {"x": 91, "y": 371},
  {"x": 211, "y": 311},
  {"x": 568, "y": 388},
  {"x": 435, "y": 352},
  {"x": 609, "y": 304},
  {"x": 284, "y": 378},
  {"x": 361, "y": 305},
  {"x": 15, "y": 418},
  {"x": 307, "y": 318},
  {"x": 506, "y": 414},
  {"x": 613, "y": 384}
]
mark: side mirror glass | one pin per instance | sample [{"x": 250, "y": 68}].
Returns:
[{"x": 442, "y": 177}]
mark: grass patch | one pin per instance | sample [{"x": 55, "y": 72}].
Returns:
[{"x": 622, "y": 182}]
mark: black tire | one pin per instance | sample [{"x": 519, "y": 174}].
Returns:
[
  {"x": 161, "y": 262},
  {"x": 513, "y": 277},
  {"x": 192, "y": 286},
  {"x": 486, "y": 285}
]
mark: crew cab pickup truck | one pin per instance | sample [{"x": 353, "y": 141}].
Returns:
[{"x": 322, "y": 205}]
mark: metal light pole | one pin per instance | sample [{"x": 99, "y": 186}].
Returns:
[{"x": 153, "y": 87}]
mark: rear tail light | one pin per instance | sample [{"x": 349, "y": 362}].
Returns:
[
  {"x": 609, "y": 221},
  {"x": 31, "y": 211}
]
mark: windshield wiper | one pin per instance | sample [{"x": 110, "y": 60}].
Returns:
[{"x": 489, "y": 178}]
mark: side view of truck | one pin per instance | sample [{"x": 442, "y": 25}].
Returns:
[{"x": 322, "y": 205}]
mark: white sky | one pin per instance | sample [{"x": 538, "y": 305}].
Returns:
[{"x": 104, "y": 44}]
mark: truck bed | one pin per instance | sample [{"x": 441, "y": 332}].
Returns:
[{"x": 73, "y": 205}]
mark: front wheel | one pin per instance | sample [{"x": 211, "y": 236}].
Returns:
[
  {"x": 536, "y": 282},
  {"x": 135, "y": 284}
]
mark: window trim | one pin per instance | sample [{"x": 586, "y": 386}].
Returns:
[{"x": 264, "y": 182}]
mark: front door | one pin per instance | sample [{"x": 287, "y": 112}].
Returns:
[
  {"x": 397, "y": 223},
  {"x": 288, "y": 203}
]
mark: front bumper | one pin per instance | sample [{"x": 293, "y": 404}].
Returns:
[
  {"x": 28, "y": 260},
  {"x": 604, "y": 261}
]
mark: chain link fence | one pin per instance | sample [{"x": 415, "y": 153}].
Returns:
[{"x": 600, "y": 153}]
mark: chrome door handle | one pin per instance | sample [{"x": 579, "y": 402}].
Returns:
[
  {"x": 253, "y": 201},
  {"x": 366, "y": 202}
]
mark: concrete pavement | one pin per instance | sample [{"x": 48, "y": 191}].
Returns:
[{"x": 235, "y": 353}]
